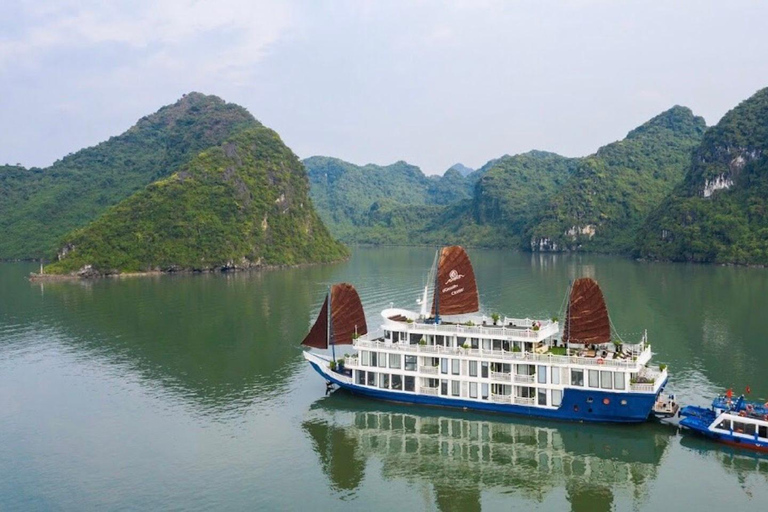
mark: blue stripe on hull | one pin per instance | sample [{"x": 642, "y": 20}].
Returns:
[{"x": 575, "y": 406}]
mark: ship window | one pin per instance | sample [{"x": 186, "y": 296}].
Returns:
[
  {"x": 473, "y": 390},
  {"x": 439, "y": 340},
  {"x": 444, "y": 365},
  {"x": 373, "y": 359},
  {"x": 397, "y": 382},
  {"x": 395, "y": 336},
  {"x": 486, "y": 344},
  {"x": 542, "y": 375},
  {"x": 557, "y": 397},
  {"x": 444, "y": 387},
  {"x": 371, "y": 378},
  {"x": 762, "y": 431},
  {"x": 594, "y": 379},
  {"x": 394, "y": 360},
  {"x": 555, "y": 375},
  {"x": 473, "y": 368},
  {"x": 749, "y": 429},
  {"x": 455, "y": 384},
  {"x": 577, "y": 377},
  {"x": 484, "y": 370},
  {"x": 382, "y": 360},
  {"x": 410, "y": 383},
  {"x": 361, "y": 377},
  {"x": 455, "y": 364},
  {"x": 606, "y": 380},
  {"x": 384, "y": 383},
  {"x": 725, "y": 425},
  {"x": 738, "y": 427},
  {"x": 388, "y": 334},
  {"x": 484, "y": 391},
  {"x": 618, "y": 380},
  {"x": 542, "y": 394},
  {"x": 461, "y": 341},
  {"x": 365, "y": 358},
  {"x": 475, "y": 343},
  {"x": 410, "y": 363}
]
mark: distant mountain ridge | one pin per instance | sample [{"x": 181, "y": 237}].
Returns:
[{"x": 719, "y": 212}]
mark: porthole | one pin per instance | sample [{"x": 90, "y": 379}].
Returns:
[
  {"x": 623, "y": 402},
  {"x": 576, "y": 408},
  {"x": 606, "y": 401},
  {"x": 589, "y": 399},
  {"x": 590, "y": 409}
]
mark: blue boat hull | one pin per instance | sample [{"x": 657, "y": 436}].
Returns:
[
  {"x": 698, "y": 420},
  {"x": 577, "y": 405}
]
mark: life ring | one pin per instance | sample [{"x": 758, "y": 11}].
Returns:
[
  {"x": 600, "y": 361},
  {"x": 606, "y": 401}
]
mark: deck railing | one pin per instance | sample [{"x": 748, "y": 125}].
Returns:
[
  {"x": 523, "y": 379},
  {"x": 431, "y": 370},
  {"x": 501, "y": 376},
  {"x": 524, "y": 401},
  {"x": 428, "y": 391},
  {"x": 524, "y": 331},
  {"x": 644, "y": 354},
  {"x": 501, "y": 399},
  {"x": 643, "y": 387}
]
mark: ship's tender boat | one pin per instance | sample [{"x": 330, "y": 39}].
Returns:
[
  {"x": 509, "y": 365},
  {"x": 734, "y": 422}
]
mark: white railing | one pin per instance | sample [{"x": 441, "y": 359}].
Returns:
[
  {"x": 432, "y": 370},
  {"x": 523, "y": 378},
  {"x": 428, "y": 391},
  {"x": 501, "y": 376},
  {"x": 524, "y": 401},
  {"x": 643, "y": 387},
  {"x": 526, "y": 333},
  {"x": 629, "y": 363},
  {"x": 351, "y": 362},
  {"x": 501, "y": 399}
]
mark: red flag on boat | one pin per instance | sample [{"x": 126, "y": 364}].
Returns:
[
  {"x": 729, "y": 393},
  {"x": 749, "y": 390}
]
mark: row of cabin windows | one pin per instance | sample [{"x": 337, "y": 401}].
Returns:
[
  {"x": 454, "y": 387},
  {"x": 744, "y": 428},
  {"x": 599, "y": 379}
]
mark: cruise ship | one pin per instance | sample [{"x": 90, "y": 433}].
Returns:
[{"x": 451, "y": 356}]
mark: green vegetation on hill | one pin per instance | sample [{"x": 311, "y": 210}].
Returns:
[
  {"x": 609, "y": 194},
  {"x": 513, "y": 190},
  {"x": 380, "y": 204},
  {"x": 243, "y": 203},
  {"x": 38, "y": 206},
  {"x": 719, "y": 213}
]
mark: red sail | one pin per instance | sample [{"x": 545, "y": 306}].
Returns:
[
  {"x": 455, "y": 286},
  {"x": 347, "y": 317},
  {"x": 586, "y": 320}
]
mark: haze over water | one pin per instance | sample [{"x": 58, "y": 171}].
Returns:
[{"x": 189, "y": 392}]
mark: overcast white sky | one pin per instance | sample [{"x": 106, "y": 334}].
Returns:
[{"x": 433, "y": 83}]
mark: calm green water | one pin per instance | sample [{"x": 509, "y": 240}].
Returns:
[{"x": 190, "y": 393}]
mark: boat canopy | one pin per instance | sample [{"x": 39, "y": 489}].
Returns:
[
  {"x": 455, "y": 285},
  {"x": 586, "y": 319},
  {"x": 347, "y": 318}
]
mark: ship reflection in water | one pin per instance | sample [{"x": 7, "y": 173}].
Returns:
[{"x": 461, "y": 455}]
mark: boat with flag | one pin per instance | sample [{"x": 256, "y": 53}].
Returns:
[
  {"x": 447, "y": 354},
  {"x": 736, "y": 422}
]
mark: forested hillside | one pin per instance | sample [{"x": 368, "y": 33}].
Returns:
[
  {"x": 719, "y": 213},
  {"x": 609, "y": 194},
  {"x": 38, "y": 206},
  {"x": 238, "y": 204}
]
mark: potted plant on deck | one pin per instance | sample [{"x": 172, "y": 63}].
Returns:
[{"x": 495, "y": 317}]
